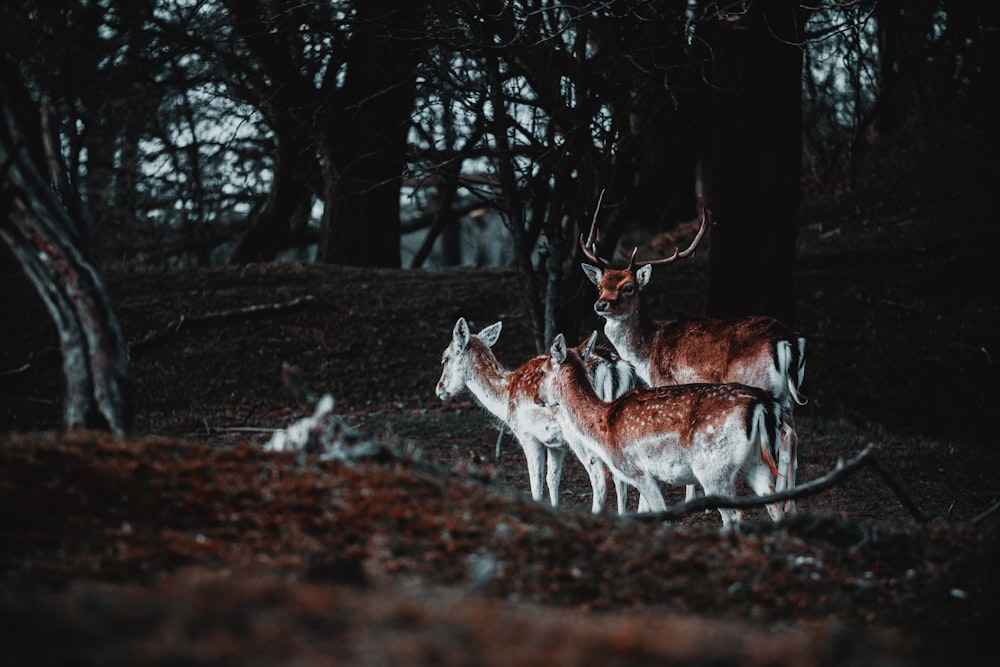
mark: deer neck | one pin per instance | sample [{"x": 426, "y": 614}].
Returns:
[
  {"x": 488, "y": 381},
  {"x": 582, "y": 409},
  {"x": 632, "y": 336}
]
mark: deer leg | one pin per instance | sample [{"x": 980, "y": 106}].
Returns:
[
  {"x": 621, "y": 491},
  {"x": 534, "y": 454},
  {"x": 719, "y": 480},
  {"x": 790, "y": 443},
  {"x": 553, "y": 473},
  {"x": 649, "y": 491},
  {"x": 643, "y": 503},
  {"x": 760, "y": 480},
  {"x": 690, "y": 492},
  {"x": 598, "y": 482},
  {"x": 595, "y": 471}
]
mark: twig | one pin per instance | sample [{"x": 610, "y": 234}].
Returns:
[
  {"x": 503, "y": 428},
  {"x": 174, "y": 325},
  {"x": 896, "y": 488},
  {"x": 985, "y": 515},
  {"x": 863, "y": 460},
  {"x": 8, "y": 162},
  {"x": 292, "y": 379},
  {"x": 243, "y": 429}
]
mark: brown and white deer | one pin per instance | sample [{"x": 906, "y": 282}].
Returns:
[
  {"x": 680, "y": 434},
  {"x": 510, "y": 396},
  {"x": 757, "y": 351}
]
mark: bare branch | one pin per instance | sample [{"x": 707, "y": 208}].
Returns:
[
  {"x": 174, "y": 325},
  {"x": 866, "y": 459}
]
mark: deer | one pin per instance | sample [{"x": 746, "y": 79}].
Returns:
[
  {"x": 677, "y": 434},
  {"x": 469, "y": 362},
  {"x": 754, "y": 350}
]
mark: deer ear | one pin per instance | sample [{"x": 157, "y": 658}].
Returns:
[
  {"x": 594, "y": 274},
  {"x": 461, "y": 333},
  {"x": 490, "y": 334},
  {"x": 588, "y": 349},
  {"x": 642, "y": 275},
  {"x": 558, "y": 349}
]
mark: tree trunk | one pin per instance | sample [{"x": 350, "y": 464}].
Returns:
[
  {"x": 42, "y": 237},
  {"x": 364, "y": 147},
  {"x": 283, "y": 221},
  {"x": 755, "y": 162}
]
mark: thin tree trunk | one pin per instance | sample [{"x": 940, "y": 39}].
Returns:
[{"x": 512, "y": 207}]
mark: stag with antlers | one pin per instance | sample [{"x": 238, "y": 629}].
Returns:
[{"x": 753, "y": 350}]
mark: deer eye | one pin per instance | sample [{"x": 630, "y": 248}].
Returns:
[
  {"x": 628, "y": 288},
  {"x": 444, "y": 360}
]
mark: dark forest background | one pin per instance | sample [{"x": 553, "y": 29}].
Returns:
[
  {"x": 198, "y": 133},
  {"x": 186, "y": 134}
]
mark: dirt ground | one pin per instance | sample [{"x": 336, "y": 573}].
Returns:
[{"x": 187, "y": 543}]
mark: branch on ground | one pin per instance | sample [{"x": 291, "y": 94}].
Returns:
[
  {"x": 866, "y": 459},
  {"x": 258, "y": 310}
]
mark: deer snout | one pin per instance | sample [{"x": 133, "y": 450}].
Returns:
[{"x": 602, "y": 306}]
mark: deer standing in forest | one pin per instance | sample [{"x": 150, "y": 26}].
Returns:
[
  {"x": 510, "y": 396},
  {"x": 680, "y": 434},
  {"x": 757, "y": 351}
]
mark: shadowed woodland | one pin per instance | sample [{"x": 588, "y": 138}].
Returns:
[{"x": 180, "y": 539}]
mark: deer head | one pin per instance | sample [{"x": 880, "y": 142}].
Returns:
[
  {"x": 558, "y": 353},
  {"x": 618, "y": 289},
  {"x": 453, "y": 369}
]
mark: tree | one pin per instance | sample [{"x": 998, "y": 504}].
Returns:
[
  {"x": 43, "y": 238},
  {"x": 364, "y": 133},
  {"x": 755, "y": 163},
  {"x": 573, "y": 99},
  {"x": 281, "y": 83},
  {"x": 336, "y": 84}
]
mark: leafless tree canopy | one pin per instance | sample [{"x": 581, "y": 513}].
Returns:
[{"x": 199, "y": 133}]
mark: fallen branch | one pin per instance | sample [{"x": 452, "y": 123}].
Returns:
[
  {"x": 15, "y": 371},
  {"x": 866, "y": 459},
  {"x": 988, "y": 513},
  {"x": 172, "y": 327}
]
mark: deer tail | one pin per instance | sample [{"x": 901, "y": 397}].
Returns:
[
  {"x": 767, "y": 423},
  {"x": 792, "y": 367}
]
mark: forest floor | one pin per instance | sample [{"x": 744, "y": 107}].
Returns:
[{"x": 187, "y": 543}]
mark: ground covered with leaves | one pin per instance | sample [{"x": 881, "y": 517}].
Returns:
[{"x": 187, "y": 543}]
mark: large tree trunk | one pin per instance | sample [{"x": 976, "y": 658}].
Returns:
[
  {"x": 41, "y": 235},
  {"x": 283, "y": 220},
  {"x": 364, "y": 147},
  {"x": 755, "y": 161},
  {"x": 290, "y": 101}
]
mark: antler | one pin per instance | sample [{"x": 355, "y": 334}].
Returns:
[
  {"x": 706, "y": 220},
  {"x": 589, "y": 247}
]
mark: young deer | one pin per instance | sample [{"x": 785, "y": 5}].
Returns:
[
  {"x": 469, "y": 362},
  {"x": 757, "y": 351},
  {"x": 681, "y": 434}
]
